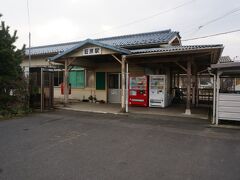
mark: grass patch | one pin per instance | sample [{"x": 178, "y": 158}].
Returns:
[{"x": 13, "y": 113}]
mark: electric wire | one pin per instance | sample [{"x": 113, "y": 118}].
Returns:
[
  {"x": 195, "y": 30},
  {"x": 220, "y": 17},
  {"x": 145, "y": 18},
  {"x": 212, "y": 35}
]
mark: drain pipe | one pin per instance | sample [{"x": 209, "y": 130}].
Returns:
[{"x": 214, "y": 95}]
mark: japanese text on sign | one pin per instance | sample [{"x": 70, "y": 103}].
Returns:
[{"x": 92, "y": 51}]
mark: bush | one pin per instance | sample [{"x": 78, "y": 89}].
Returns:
[{"x": 13, "y": 86}]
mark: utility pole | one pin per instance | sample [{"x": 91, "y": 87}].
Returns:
[
  {"x": 0, "y": 22},
  {"x": 29, "y": 50}
]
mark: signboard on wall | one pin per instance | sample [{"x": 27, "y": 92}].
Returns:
[{"x": 92, "y": 51}]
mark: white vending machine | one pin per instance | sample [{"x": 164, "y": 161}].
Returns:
[{"x": 158, "y": 95}]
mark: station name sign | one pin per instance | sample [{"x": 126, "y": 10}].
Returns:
[{"x": 92, "y": 51}]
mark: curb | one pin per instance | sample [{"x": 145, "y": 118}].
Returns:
[{"x": 225, "y": 127}]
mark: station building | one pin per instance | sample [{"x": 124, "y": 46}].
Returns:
[{"x": 106, "y": 69}]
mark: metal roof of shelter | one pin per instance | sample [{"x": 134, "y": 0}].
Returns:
[
  {"x": 225, "y": 59},
  {"x": 176, "y": 49},
  {"x": 230, "y": 68},
  {"x": 229, "y": 65},
  {"x": 211, "y": 52},
  {"x": 126, "y": 41}
]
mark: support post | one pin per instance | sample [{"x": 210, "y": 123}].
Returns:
[
  {"x": 170, "y": 81},
  {"x": 197, "y": 90},
  {"x": 42, "y": 90},
  {"x": 123, "y": 64},
  {"x": 174, "y": 80},
  {"x": 188, "y": 105},
  {"x": 217, "y": 97},
  {"x": 178, "y": 79},
  {"x": 66, "y": 83},
  {"x": 214, "y": 99},
  {"x": 127, "y": 79},
  {"x": 52, "y": 90},
  {"x": 194, "y": 89}
]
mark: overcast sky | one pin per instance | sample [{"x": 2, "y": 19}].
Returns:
[{"x": 56, "y": 21}]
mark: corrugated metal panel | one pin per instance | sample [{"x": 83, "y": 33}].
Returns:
[
  {"x": 229, "y": 103},
  {"x": 230, "y": 109},
  {"x": 229, "y": 97},
  {"x": 229, "y": 116},
  {"x": 229, "y": 106}
]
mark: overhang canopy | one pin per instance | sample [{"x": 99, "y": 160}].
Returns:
[
  {"x": 116, "y": 50},
  {"x": 227, "y": 68},
  {"x": 230, "y": 65},
  {"x": 214, "y": 50},
  {"x": 202, "y": 55}
]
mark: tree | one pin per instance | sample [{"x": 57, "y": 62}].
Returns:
[{"x": 12, "y": 82}]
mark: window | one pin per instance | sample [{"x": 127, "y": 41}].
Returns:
[
  {"x": 85, "y": 51},
  {"x": 227, "y": 84},
  {"x": 77, "y": 79},
  {"x": 113, "y": 81},
  {"x": 58, "y": 77},
  {"x": 205, "y": 82}
]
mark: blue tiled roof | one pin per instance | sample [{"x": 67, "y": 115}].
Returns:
[
  {"x": 93, "y": 42},
  {"x": 127, "y": 41},
  {"x": 158, "y": 37}
]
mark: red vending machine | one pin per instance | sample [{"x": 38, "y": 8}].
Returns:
[{"x": 138, "y": 91}]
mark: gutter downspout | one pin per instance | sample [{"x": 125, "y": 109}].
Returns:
[{"x": 214, "y": 95}]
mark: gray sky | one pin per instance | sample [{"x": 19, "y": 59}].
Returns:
[{"x": 56, "y": 21}]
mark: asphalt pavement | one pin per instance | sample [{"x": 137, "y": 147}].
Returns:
[{"x": 68, "y": 145}]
